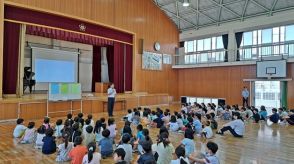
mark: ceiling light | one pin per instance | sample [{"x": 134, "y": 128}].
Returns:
[{"x": 186, "y": 3}]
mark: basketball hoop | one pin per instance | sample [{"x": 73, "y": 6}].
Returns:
[{"x": 269, "y": 76}]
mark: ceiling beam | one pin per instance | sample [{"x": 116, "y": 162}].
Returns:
[
  {"x": 244, "y": 10},
  {"x": 197, "y": 14},
  {"x": 175, "y": 15},
  {"x": 165, "y": 4},
  {"x": 261, "y": 6},
  {"x": 210, "y": 7},
  {"x": 273, "y": 7},
  {"x": 197, "y": 11},
  {"x": 177, "y": 9},
  {"x": 220, "y": 12},
  {"x": 229, "y": 10}
]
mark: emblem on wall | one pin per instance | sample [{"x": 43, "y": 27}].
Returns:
[{"x": 82, "y": 27}]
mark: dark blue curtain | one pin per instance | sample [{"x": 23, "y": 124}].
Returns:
[
  {"x": 225, "y": 42},
  {"x": 239, "y": 37}
]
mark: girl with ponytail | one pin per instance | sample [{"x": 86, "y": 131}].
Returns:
[
  {"x": 164, "y": 149},
  {"x": 180, "y": 152},
  {"x": 92, "y": 157},
  {"x": 64, "y": 148}
]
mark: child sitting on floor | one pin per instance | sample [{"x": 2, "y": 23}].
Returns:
[
  {"x": 180, "y": 153},
  {"x": 207, "y": 131},
  {"x": 119, "y": 156},
  {"x": 92, "y": 157},
  {"x": 275, "y": 116},
  {"x": 89, "y": 136},
  {"x": 136, "y": 118},
  {"x": 58, "y": 128},
  {"x": 78, "y": 152},
  {"x": 87, "y": 123},
  {"x": 173, "y": 124},
  {"x": 19, "y": 129},
  {"x": 47, "y": 123},
  {"x": 64, "y": 149},
  {"x": 263, "y": 113},
  {"x": 127, "y": 148},
  {"x": 90, "y": 117},
  {"x": 49, "y": 146},
  {"x": 40, "y": 135},
  {"x": 209, "y": 156},
  {"x": 188, "y": 142},
  {"x": 98, "y": 131},
  {"x": 105, "y": 144},
  {"x": 29, "y": 134},
  {"x": 256, "y": 116}
]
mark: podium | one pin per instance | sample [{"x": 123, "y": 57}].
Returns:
[{"x": 101, "y": 87}]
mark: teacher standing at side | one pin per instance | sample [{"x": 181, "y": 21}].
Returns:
[
  {"x": 245, "y": 96},
  {"x": 111, "y": 92}
]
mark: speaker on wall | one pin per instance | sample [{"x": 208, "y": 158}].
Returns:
[
  {"x": 221, "y": 102},
  {"x": 141, "y": 46},
  {"x": 183, "y": 100}
]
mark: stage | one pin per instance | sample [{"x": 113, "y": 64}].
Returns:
[{"x": 36, "y": 106}]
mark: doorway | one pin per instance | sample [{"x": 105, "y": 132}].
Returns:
[{"x": 267, "y": 93}]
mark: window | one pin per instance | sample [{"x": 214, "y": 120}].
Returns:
[
  {"x": 190, "y": 46},
  {"x": 289, "y": 33},
  {"x": 269, "y": 96},
  {"x": 258, "y": 95},
  {"x": 247, "y": 37},
  {"x": 200, "y": 45},
  {"x": 266, "y": 36},
  {"x": 206, "y": 50},
  {"x": 207, "y": 44},
  {"x": 276, "y": 34}
]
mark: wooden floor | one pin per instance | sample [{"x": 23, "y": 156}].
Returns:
[{"x": 262, "y": 144}]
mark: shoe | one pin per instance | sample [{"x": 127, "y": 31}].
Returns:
[{"x": 220, "y": 133}]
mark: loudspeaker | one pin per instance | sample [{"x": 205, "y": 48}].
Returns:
[
  {"x": 183, "y": 100},
  {"x": 221, "y": 102},
  {"x": 141, "y": 46}
]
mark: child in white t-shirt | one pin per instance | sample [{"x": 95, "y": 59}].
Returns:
[
  {"x": 19, "y": 129},
  {"x": 40, "y": 135},
  {"x": 209, "y": 156},
  {"x": 173, "y": 124},
  {"x": 92, "y": 123},
  {"x": 64, "y": 149},
  {"x": 207, "y": 131},
  {"x": 58, "y": 128}
]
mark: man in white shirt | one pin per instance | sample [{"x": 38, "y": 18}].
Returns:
[
  {"x": 245, "y": 95},
  {"x": 111, "y": 92}
]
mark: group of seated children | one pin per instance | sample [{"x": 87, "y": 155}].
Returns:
[{"x": 79, "y": 139}]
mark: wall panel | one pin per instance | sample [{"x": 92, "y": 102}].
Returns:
[{"x": 8, "y": 111}]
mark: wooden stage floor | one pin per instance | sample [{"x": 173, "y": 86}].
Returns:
[{"x": 262, "y": 144}]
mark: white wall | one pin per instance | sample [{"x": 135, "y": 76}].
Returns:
[
  {"x": 282, "y": 18},
  {"x": 85, "y": 59}
]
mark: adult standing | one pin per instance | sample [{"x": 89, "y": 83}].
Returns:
[
  {"x": 111, "y": 92},
  {"x": 245, "y": 96}
]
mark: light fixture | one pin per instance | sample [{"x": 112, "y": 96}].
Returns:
[{"x": 186, "y": 3}]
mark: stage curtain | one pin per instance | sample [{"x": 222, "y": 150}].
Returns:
[
  {"x": 118, "y": 66},
  {"x": 239, "y": 37},
  {"x": 67, "y": 36},
  {"x": 129, "y": 68},
  {"x": 110, "y": 62},
  {"x": 51, "y": 20},
  {"x": 225, "y": 42},
  {"x": 96, "y": 66},
  {"x": 10, "y": 57}
]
